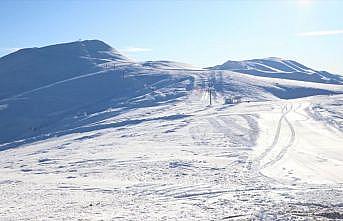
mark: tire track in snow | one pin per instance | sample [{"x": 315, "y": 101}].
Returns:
[
  {"x": 52, "y": 84},
  {"x": 301, "y": 114},
  {"x": 284, "y": 112},
  {"x": 286, "y": 147}
]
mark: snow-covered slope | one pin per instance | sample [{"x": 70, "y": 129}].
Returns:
[
  {"x": 73, "y": 87},
  {"x": 280, "y": 68},
  {"x": 96, "y": 136},
  {"x": 169, "y": 65},
  {"x": 183, "y": 161},
  {"x": 31, "y": 68}
]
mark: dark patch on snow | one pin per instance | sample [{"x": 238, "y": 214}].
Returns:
[
  {"x": 331, "y": 215},
  {"x": 178, "y": 164},
  {"x": 284, "y": 92}
]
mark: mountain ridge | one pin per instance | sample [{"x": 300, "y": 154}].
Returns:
[
  {"x": 279, "y": 68},
  {"x": 31, "y": 68},
  {"x": 92, "y": 53}
]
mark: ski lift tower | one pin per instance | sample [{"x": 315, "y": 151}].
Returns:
[{"x": 210, "y": 91}]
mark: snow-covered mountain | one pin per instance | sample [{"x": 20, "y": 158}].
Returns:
[
  {"x": 31, "y": 68},
  {"x": 54, "y": 87},
  {"x": 67, "y": 87},
  {"x": 280, "y": 68},
  {"x": 88, "y": 134}
]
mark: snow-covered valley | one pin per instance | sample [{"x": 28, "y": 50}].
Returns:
[{"x": 139, "y": 141}]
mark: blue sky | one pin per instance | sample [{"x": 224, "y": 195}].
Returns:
[{"x": 203, "y": 33}]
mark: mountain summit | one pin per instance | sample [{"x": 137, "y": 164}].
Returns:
[
  {"x": 279, "y": 68},
  {"x": 31, "y": 68}
]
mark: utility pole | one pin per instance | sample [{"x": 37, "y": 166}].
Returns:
[{"x": 210, "y": 96}]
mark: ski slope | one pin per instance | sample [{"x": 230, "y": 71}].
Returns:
[
  {"x": 184, "y": 161},
  {"x": 303, "y": 149},
  {"x": 139, "y": 141}
]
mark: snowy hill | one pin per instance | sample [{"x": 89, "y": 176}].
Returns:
[
  {"x": 31, "y": 68},
  {"x": 74, "y": 87},
  {"x": 88, "y": 134},
  {"x": 280, "y": 68}
]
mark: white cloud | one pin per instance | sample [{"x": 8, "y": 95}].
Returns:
[
  {"x": 321, "y": 33},
  {"x": 135, "y": 49},
  {"x": 10, "y": 50}
]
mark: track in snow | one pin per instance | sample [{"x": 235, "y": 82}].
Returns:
[{"x": 285, "y": 110}]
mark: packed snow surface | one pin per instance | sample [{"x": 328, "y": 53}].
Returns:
[{"x": 140, "y": 141}]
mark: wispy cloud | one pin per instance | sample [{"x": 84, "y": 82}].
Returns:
[
  {"x": 9, "y": 50},
  {"x": 321, "y": 33},
  {"x": 135, "y": 49}
]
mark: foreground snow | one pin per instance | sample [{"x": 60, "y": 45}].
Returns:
[{"x": 185, "y": 161}]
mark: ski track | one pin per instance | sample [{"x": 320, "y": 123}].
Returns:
[
  {"x": 258, "y": 160},
  {"x": 285, "y": 148},
  {"x": 51, "y": 85}
]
